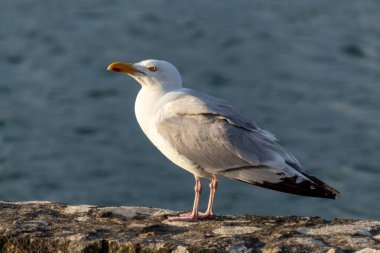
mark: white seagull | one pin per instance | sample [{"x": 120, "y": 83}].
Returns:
[{"x": 209, "y": 138}]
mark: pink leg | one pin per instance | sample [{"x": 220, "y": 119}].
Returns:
[
  {"x": 193, "y": 216},
  {"x": 209, "y": 212}
]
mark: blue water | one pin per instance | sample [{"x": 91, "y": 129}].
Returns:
[{"x": 308, "y": 71}]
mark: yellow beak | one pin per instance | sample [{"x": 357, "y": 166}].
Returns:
[{"x": 123, "y": 67}]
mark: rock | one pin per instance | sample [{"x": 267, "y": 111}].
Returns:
[
  {"x": 53, "y": 227},
  {"x": 368, "y": 250}
]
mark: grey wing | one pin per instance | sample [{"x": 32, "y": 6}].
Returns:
[
  {"x": 225, "y": 129},
  {"x": 225, "y": 143},
  {"x": 221, "y": 148}
]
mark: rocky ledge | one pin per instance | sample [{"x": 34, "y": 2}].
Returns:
[{"x": 53, "y": 227}]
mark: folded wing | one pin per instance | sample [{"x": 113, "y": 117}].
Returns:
[{"x": 223, "y": 142}]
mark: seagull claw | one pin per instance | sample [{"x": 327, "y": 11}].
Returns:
[{"x": 190, "y": 217}]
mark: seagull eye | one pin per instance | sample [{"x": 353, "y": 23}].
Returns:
[{"x": 153, "y": 69}]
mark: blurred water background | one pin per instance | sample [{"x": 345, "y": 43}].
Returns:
[{"x": 307, "y": 71}]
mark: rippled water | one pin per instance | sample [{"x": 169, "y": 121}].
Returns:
[{"x": 307, "y": 71}]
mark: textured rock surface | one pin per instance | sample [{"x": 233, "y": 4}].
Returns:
[{"x": 52, "y": 227}]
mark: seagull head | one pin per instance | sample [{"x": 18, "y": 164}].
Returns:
[{"x": 151, "y": 74}]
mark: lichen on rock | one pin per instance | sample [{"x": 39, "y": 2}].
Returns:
[{"x": 53, "y": 227}]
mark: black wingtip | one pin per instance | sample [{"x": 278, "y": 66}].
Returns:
[
  {"x": 314, "y": 187},
  {"x": 329, "y": 191},
  {"x": 309, "y": 188}
]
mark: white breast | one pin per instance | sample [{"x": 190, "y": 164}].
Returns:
[{"x": 147, "y": 114}]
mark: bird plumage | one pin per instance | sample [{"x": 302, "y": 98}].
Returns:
[
  {"x": 209, "y": 138},
  {"x": 224, "y": 142}
]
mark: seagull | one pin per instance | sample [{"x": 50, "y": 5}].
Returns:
[{"x": 206, "y": 136}]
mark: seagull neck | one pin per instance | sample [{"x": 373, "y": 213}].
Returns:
[{"x": 158, "y": 89}]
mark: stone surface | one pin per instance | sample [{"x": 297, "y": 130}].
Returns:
[{"x": 52, "y": 227}]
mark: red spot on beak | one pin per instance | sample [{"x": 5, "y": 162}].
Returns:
[{"x": 116, "y": 69}]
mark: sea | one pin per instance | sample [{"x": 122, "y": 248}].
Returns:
[{"x": 307, "y": 71}]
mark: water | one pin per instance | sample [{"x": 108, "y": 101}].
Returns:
[{"x": 307, "y": 71}]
